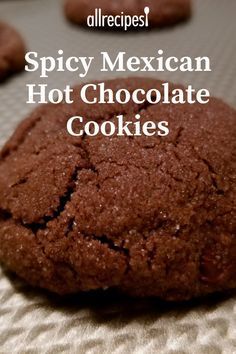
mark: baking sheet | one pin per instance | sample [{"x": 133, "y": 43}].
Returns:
[{"x": 33, "y": 321}]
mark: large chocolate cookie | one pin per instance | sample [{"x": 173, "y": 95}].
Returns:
[
  {"x": 12, "y": 51},
  {"x": 146, "y": 215},
  {"x": 162, "y": 12}
]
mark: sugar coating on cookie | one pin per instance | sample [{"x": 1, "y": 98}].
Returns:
[
  {"x": 12, "y": 51},
  {"x": 161, "y": 12},
  {"x": 150, "y": 216}
]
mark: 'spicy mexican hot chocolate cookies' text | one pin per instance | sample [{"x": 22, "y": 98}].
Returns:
[
  {"x": 150, "y": 216},
  {"x": 12, "y": 51},
  {"x": 161, "y": 12}
]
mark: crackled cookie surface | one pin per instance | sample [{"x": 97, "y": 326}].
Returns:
[
  {"x": 12, "y": 51},
  {"x": 162, "y": 12},
  {"x": 150, "y": 216}
]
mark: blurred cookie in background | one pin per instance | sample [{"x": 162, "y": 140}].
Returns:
[{"x": 12, "y": 51}]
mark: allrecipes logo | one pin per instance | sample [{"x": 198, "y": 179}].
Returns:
[{"x": 121, "y": 21}]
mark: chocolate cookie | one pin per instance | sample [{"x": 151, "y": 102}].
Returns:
[
  {"x": 162, "y": 12},
  {"x": 150, "y": 216},
  {"x": 12, "y": 51}
]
